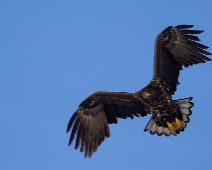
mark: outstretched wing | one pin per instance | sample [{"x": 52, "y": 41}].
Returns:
[
  {"x": 176, "y": 47},
  {"x": 90, "y": 121}
]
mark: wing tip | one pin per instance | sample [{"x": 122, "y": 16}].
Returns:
[
  {"x": 71, "y": 121},
  {"x": 184, "y": 26}
]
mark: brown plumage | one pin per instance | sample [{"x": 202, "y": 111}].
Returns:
[{"x": 174, "y": 47}]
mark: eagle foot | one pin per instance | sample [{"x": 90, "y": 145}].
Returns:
[
  {"x": 171, "y": 126},
  {"x": 174, "y": 125},
  {"x": 178, "y": 122}
]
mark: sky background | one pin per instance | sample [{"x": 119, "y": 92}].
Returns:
[{"x": 53, "y": 54}]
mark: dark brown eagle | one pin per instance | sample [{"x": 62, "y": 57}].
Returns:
[{"x": 174, "y": 47}]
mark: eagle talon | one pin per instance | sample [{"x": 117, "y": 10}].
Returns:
[
  {"x": 178, "y": 122},
  {"x": 171, "y": 126}
]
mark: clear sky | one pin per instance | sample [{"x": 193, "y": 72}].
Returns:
[{"x": 53, "y": 54}]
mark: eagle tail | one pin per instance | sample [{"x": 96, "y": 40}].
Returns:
[
  {"x": 180, "y": 123},
  {"x": 185, "y": 106}
]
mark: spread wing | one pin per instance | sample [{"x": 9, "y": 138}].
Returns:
[
  {"x": 90, "y": 121},
  {"x": 176, "y": 47}
]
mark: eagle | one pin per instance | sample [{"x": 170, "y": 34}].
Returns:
[{"x": 174, "y": 48}]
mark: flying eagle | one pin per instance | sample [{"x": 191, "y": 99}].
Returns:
[{"x": 174, "y": 47}]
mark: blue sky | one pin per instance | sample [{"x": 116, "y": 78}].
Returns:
[{"x": 55, "y": 53}]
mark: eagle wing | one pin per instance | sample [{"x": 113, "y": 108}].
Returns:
[
  {"x": 176, "y": 47},
  {"x": 90, "y": 121}
]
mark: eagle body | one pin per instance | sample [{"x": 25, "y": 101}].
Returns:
[{"x": 175, "y": 48}]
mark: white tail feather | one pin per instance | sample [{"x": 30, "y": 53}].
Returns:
[{"x": 185, "y": 111}]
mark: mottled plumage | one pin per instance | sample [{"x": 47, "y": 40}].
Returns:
[{"x": 174, "y": 47}]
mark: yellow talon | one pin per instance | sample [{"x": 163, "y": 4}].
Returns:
[
  {"x": 178, "y": 122},
  {"x": 171, "y": 126}
]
